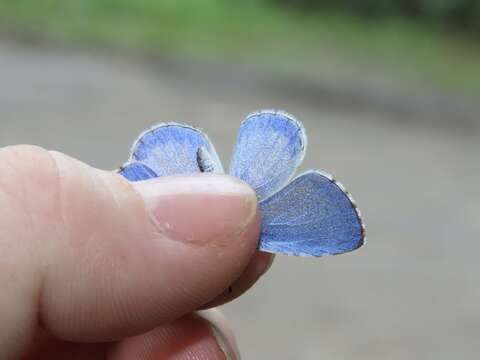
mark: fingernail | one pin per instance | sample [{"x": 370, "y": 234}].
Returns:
[
  {"x": 199, "y": 209},
  {"x": 222, "y": 333},
  {"x": 230, "y": 350}
]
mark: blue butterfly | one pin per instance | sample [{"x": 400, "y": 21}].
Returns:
[{"x": 313, "y": 215}]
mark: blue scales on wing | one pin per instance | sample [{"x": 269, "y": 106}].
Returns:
[
  {"x": 137, "y": 172},
  {"x": 270, "y": 146},
  {"x": 313, "y": 215},
  {"x": 171, "y": 149}
]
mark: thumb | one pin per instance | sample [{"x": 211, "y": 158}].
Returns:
[{"x": 106, "y": 258}]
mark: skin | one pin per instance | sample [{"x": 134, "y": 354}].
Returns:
[{"x": 95, "y": 267}]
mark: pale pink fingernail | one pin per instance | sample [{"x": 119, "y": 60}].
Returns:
[
  {"x": 230, "y": 350},
  {"x": 200, "y": 209}
]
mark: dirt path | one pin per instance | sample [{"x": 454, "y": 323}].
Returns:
[{"x": 412, "y": 293}]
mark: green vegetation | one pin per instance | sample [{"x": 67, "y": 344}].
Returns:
[
  {"x": 464, "y": 14},
  {"x": 260, "y": 34}
]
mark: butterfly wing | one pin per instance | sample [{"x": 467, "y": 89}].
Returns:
[
  {"x": 171, "y": 148},
  {"x": 137, "y": 171},
  {"x": 270, "y": 146},
  {"x": 312, "y": 216}
]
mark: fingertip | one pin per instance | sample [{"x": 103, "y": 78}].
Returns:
[
  {"x": 161, "y": 248},
  {"x": 199, "y": 209},
  {"x": 259, "y": 264},
  {"x": 191, "y": 337},
  {"x": 222, "y": 331}
]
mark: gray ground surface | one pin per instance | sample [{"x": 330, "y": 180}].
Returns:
[{"x": 412, "y": 293}]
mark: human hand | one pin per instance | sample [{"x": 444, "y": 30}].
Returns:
[{"x": 95, "y": 267}]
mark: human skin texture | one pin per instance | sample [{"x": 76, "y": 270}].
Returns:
[{"x": 95, "y": 267}]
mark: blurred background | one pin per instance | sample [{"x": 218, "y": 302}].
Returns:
[{"x": 388, "y": 91}]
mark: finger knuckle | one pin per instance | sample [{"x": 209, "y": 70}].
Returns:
[
  {"x": 30, "y": 180},
  {"x": 28, "y": 166}
]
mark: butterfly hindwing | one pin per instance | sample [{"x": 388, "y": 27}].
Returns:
[
  {"x": 311, "y": 216},
  {"x": 137, "y": 172}
]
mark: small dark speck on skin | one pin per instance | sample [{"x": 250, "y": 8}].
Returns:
[{"x": 230, "y": 289}]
